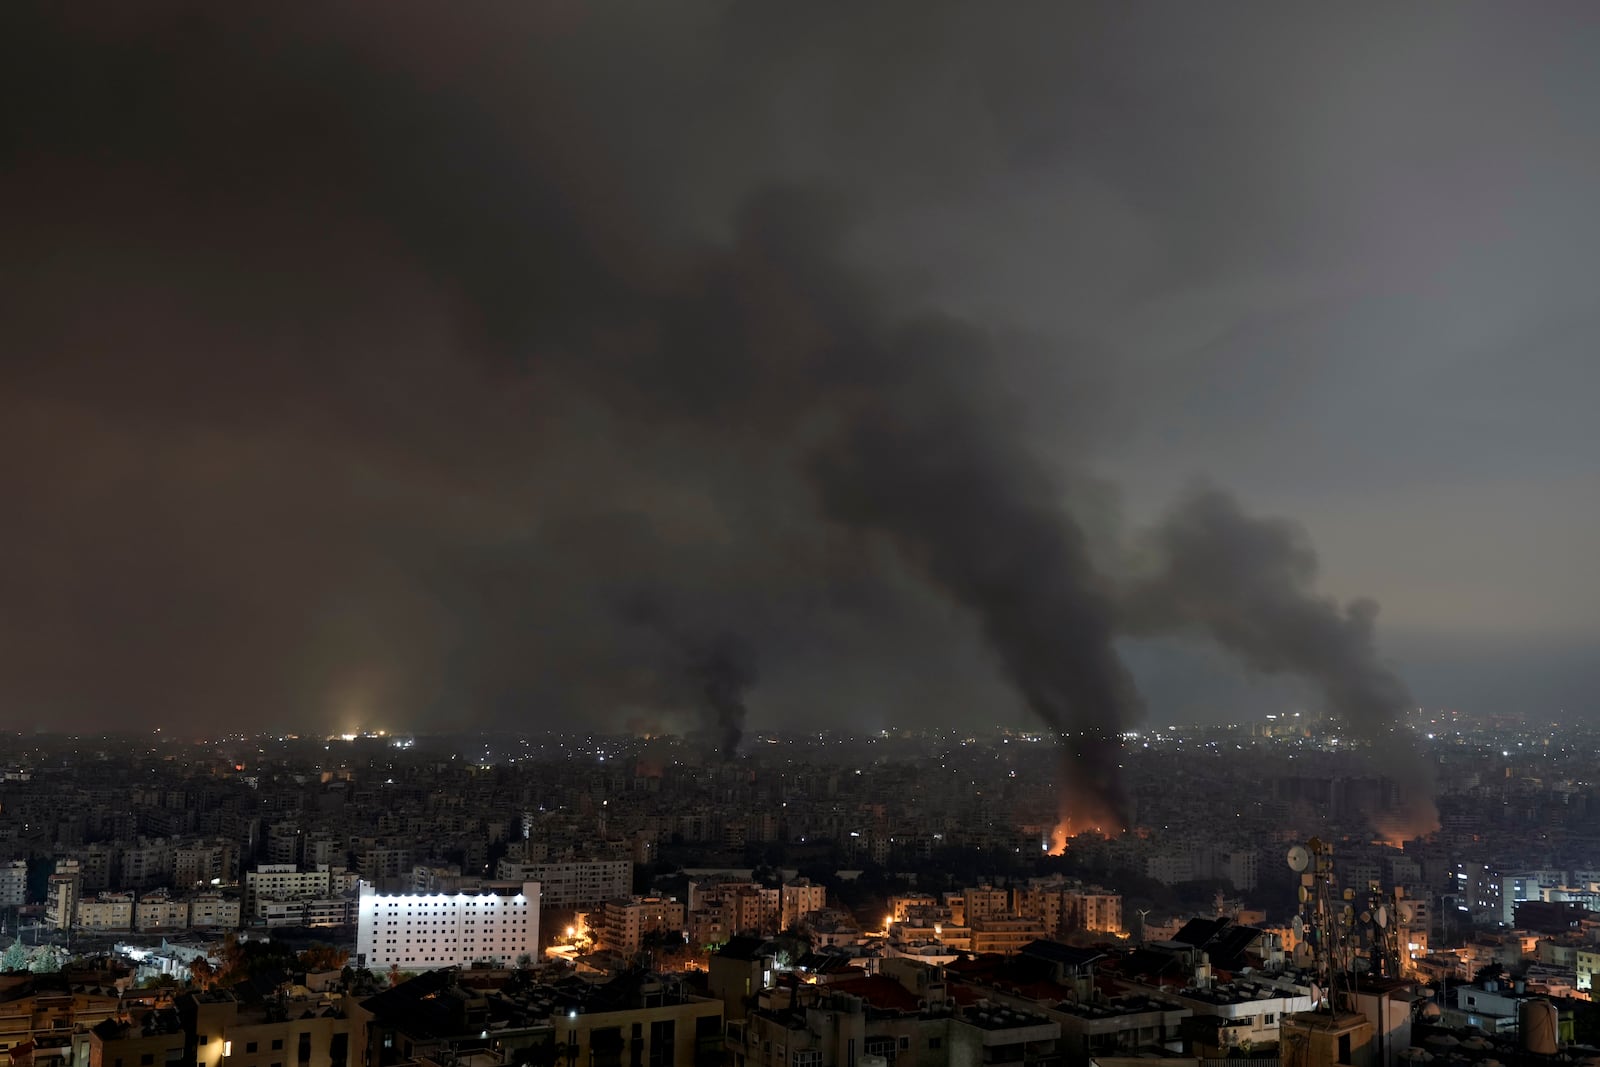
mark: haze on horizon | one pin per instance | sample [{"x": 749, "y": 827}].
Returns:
[{"x": 329, "y": 396}]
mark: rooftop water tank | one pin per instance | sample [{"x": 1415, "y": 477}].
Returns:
[{"x": 1539, "y": 1023}]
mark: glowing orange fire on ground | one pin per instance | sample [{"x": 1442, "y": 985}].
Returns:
[
  {"x": 1087, "y": 788},
  {"x": 1395, "y": 834},
  {"x": 1083, "y": 818},
  {"x": 1415, "y": 818}
]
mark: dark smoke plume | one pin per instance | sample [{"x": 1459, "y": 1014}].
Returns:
[
  {"x": 1250, "y": 584},
  {"x": 934, "y": 461},
  {"x": 399, "y": 345},
  {"x": 726, "y": 673},
  {"x": 709, "y": 674}
]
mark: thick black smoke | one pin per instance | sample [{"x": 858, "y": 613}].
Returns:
[
  {"x": 727, "y": 672},
  {"x": 1250, "y": 584},
  {"x": 361, "y": 361},
  {"x": 935, "y": 460}
]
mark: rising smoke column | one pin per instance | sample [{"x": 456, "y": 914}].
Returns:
[
  {"x": 931, "y": 458},
  {"x": 1250, "y": 584},
  {"x": 421, "y": 313},
  {"x": 726, "y": 672},
  {"x": 708, "y": 671}
]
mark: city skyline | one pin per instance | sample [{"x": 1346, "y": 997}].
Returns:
[{"x": 430, "y": 368}]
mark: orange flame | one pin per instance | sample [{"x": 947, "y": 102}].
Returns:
[
  {"x": 1087, "y": 819},
  {"x": 1085, "y": 800},
  {"x": 1396, "y": 828}
]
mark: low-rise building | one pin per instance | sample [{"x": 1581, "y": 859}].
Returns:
[
  {"x": 106, "y": 911},
  {"x": 1005, "y": 935},
  {"x": 158, "y": 911},
  {"x": 314, "y": 1031}
]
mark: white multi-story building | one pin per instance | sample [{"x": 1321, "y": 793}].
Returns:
[
  {"x": 574, "y": 883},
  {"x": 417, "y": 931},
  {"x": 13, "y": 883}
]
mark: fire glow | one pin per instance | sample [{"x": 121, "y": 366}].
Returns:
[{"x": 1083, "y": 819}]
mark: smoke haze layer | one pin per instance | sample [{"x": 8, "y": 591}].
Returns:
[{"x": 359, "y": 366}]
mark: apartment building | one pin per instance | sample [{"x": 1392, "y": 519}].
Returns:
[
  {"x": 145, "y": 865},
  {"x": 214, "y": 911},
  {"x": 13, "y": 884},
  {"x": 985, "y": 902},
  {"x": 798, "y": 899},
  {"x": 65, "y": 887},
  {"x": 573, "y": 883},
  {"x": 204, "y": 863},
  {"x": 415, "y": 931},
  {"x": 279, "y": 883},
  {"x": 1004, "y": 935},
  {"x": 302, "y": 1032},
  {"x": 105, "y": 911},
  {"x": 159, "y": 911},
  {"x": 625, "y": 922}
]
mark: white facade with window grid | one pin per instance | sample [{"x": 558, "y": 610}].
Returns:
[{"x": 421, "y": 931}]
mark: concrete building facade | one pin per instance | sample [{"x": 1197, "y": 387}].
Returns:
[{"x": 416, "y": 931}]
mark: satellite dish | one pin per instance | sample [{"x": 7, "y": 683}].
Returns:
[
  {"x": 1305, "y": 894},
  {"x": 1381, "y": 917},
  {"x": 1349, "y": 913},
  {"x": 1298, "y": 925},
  {"x": 1404, "y": 913},
  {"x": 1299, "y": 858}
]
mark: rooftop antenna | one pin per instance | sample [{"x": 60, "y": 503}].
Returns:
[{"x": 1324, "y": 917}]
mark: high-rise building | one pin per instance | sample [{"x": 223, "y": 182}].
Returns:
[
  {"x": 66, "y": 886},
  {"x": 417, "y": 931},
  {"x": 13, "y": 883}
]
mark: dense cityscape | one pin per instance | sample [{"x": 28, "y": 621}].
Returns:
[
  {"x": 904, "y": 886},
  {"x": 745, "y": 533}
]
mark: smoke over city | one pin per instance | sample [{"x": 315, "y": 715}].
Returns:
[
  {"x": 357, "y": 377},
  {"x": 1250, "y": 584}
]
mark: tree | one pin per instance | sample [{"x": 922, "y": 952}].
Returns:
[
  {"x": 321, "y": 957},
  {"x": 250, "y": 959},
  {"x": 44, "y": 961},
  {"x": 201, "y": 973},
  {"x": 15, "y": 958}
]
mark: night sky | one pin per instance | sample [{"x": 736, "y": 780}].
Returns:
[{"x": 541, "y": 364}]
